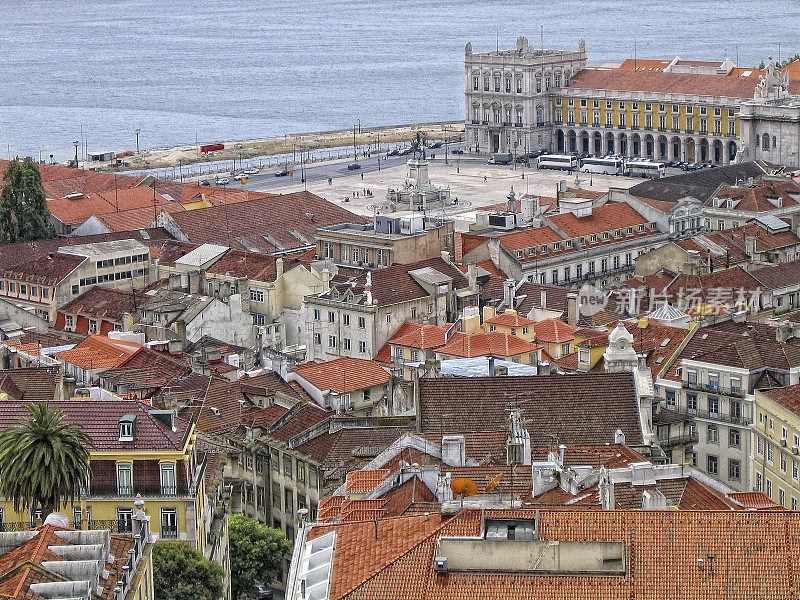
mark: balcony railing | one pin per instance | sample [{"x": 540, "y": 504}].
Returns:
[
  {"x": 169, "y": 532},
  {"x": 17, "y": 526},
  {"x": 716, "y": 389},
  {"x": 517, "y": 124},
  {"x": 680, "y": 440},
  {"x": 144, "y": 490},
  {"x": 716, "y": 416},
  {"x": 475, "y": 122}
]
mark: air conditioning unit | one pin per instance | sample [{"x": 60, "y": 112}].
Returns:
[
  {"x": 783, "y": 442},
  {"x": 440, "y": 564},
  {"x": 795, "y": 450}
]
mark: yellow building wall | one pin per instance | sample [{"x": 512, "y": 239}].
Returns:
[{"x": 782, "y": 418}]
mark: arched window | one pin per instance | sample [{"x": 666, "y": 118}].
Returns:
[
  {"x": 539, "y": 114},
  {"x": 765, "y": 142}
]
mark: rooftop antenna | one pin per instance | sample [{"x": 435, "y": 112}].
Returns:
[
  {"x": 497, "y": 40},
  {"x": 541, "y": 37},
  {"x": 634, "y": 55}
]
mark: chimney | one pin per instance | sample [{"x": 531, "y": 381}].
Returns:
[
  {"x": 491, "y": 366},
  {"x": 509, "y": 293},
  {"x": 543, "y": 295},
  {"x": 572, "y": 308},
  {"x": 278, "y": 268},
  {"x": 472, "y": 276},
  {"x": 561, "y": 450},
  {"x": 454, "y": 450},
  {"x": 750, "y": 245},
  {"x": 445, "y": 256},
  {"x": 489, "y": 313},
  {"x": 783, "y": 331}
]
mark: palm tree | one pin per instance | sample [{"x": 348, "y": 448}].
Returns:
[{"x": 43, "y": 462}]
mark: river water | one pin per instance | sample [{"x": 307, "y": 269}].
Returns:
[{"x": 202, "y": 70}]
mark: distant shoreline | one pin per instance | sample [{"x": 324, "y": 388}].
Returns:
[{"x": 288, "y": 144}]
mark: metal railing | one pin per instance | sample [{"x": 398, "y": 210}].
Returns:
[
  {"x": 715, "y": 389},
  {"x": 680, "y": 440},
  {"x": 169, "y": 532},
  {"x": 144, "y": 490},
  {"x": 713, "y": 415}
]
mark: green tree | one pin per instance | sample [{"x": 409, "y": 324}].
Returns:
[
  {"x": 256, "y": 553},
  {"x": 23, "y": 205},
  {"x": 44, "y": 461},
  {"x": 181, "y": 573}
]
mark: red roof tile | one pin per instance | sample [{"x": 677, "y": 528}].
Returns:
[
  {"x": 483, "y": 344},
  {"x": 98, "y": 352},
  {"x": 343, "y": 375},
  {"x": 554, "y": 331}
]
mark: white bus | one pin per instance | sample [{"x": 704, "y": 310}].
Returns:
[
  {"x": 609, "y": 166},
  {"x": 557, "y": 161},
  {"x": 644, "y": 168}
]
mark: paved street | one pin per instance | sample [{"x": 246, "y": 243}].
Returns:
[{"x": 470, "y": 179}]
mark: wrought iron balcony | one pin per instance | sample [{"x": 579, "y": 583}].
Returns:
[
  {"x": 715, "y": 389},
  {"x": 712, "y": 415},
  {"x": 169, "y": 532},
  {"x": 680, "y": 440}
]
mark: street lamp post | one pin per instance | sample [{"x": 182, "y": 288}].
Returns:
[
  {"x": 77, "y": 144},
  {"x": 137, "y": 140}
]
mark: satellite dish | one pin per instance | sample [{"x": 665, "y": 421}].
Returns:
[
  {"x": 464, "y": 487},
  {"x": 493, "y": 483}
]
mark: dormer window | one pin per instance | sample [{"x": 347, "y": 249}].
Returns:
[
  {"x": 556, "y": 247},
  {"x": 605, "y": 236},
  {"x": 593, "y": 239},
  {"x": 630, "y": 230},
  {"x": 618, "y": 233},
  {"x": 568, "y": 244},
  {"x": 531, "y": 251},
  {"x": 543, "y": 249},
  {"x": 583, "y": 356},
  {"x": 127, "y": 426},
  {"x": 641, "y": 228}
]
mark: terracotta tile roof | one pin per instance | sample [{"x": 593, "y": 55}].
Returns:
[
  {"x": 574, "y": 409},
  {"x": 509, "y": 319},
  {"x": 666, "y": 83},
  {"x": 104, "y": 303},
  {"x": 15, "y": 254},
  {"x": 749, "y": 350},
  {"x": 746, "y": 546},
  {"x": 364, "y": 481},
  {"x": 367, "y": 554},
  {"x": 527, "y": 238},
  {"x": 733, "y": 256},
  {"x": 788, "y": 397},
  {"x": 257, "y": 224},
  {"x": 135, "y": 218},
  {"x": 100, "y": 420},
  {"x": 147, "y": 369},
  {"x": 394, "y": 284},
  {"x": 343, "y": 375},
  {"x": 778, "y": 276},
  {"x": 554, "y": 331},
  {"x": 528, "y": 295},
  {"x": 756, "y": 500},
  {"x": 734, "y": 280},
  {"x": 608, "y": 217},
  {"x": 757, "y": 198},
  {"x": 301, "y": 418},
  {"x": 98, "y": 352},
  {"x": 270, "y": 384},
  {"x": 76, "y": 210},
  {"x": 483, "y": 344},
  {"x": 419, "y": 335},
  {"x": 350, "y": 446},
  {"x": 34, "y": 385},
  {"x": 49, "y": 269}
]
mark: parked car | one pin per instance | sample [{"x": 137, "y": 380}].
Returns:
[
  {"x": 435, "y": 145},
  {"x": 405, "y": 151},
  {"x": 250, "y": 171},
  {"x": 282, "y": 173},
  {"x": 205, "y": 182},
  {"x": 353, "y": 166},
  {"x": 223, "y": 181},
  {"x": 262, "y": 592},
  {"x": 457, "y": 151},
  {"x": 393, "y": 152}
]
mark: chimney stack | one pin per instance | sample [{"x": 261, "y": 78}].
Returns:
[
  {"x": 543, "y": 296},
  {"x": 572, "y": 308}
]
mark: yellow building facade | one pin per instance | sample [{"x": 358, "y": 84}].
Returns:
[
  {"x": 139, "y": 453},
  {"x": 776, "y": 456}
]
